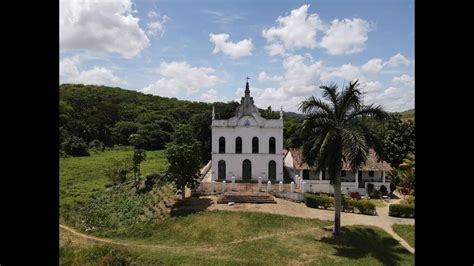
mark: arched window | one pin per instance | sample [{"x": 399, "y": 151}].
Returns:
[
  {"x": 255, "y": 145},
  {"x": 271, "y": 145},
  {"x": 272, "y": 170},
  {"x": 221, "y": 145},
  {"x": 221, "y": 170},
  {"x": 238, "y": 145}
]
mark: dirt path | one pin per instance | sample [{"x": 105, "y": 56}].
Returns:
[
  {"x": 289, "y": 208},
  {"x": 316, "y": 231}
]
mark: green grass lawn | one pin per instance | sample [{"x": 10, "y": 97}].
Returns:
[
  {"x": 82, "y": 177},
  {"x": 407, "y": 232},
  {"x": 236, "y": 238}
]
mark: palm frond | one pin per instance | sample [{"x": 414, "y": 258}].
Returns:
[{"x": 312, "y": 104}]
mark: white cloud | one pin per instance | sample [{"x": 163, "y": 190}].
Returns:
[
  {"x": 347, "y": 36},
  {"x": 373, "y": 66},
  {"x": 212, "y": 96},
  {"x": 404, "y": 81},
  {"x": 275, "y": 49},
  {"x": 297, "y": 30},
  {"x": 346, "y": 72},
  {"x": 103, "y": 26},
  {"x": 181, "y": 76},
  {"x": 157, "y": 27},
  {"x": 234, "y": 50},
  {"x": 372, "y": 87},
  {"x": 276, "y": 98},
  {"x": 69, "y": 72},
  {"x": 300, "y": 78},
  {"x": 263, "y": 76},
  {"x": 398, "y": 60},
  {"x": 152, "y": 14}
]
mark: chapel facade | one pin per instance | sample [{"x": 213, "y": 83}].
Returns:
[{"x": 247, "y": 145}]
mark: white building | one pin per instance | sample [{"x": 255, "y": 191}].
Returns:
[
  {"x": 247, "y": 145},
  {"x": 373, "y": 171}
]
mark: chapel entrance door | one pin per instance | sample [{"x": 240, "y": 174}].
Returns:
[
  {"x": 247, "y": 170},
  {"x": 272, "y": 171}
]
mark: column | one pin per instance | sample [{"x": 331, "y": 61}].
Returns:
[{"x": 357, "y": 179}]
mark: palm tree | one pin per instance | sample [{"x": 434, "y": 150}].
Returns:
[{"x": 337, "y": 131}]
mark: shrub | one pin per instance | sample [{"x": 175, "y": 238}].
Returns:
[
  {"x": 347, "y": 204},
  {"x": 404, "y": 191},
  {"x": 402, "y": 210},
  {"x": 392, "y": 188},
  {"x": 383, "y": 189},
  {"x": 118, "y": 171},
  {"x": 376, "y": 194},
  {"x": 370, "y": 189},
  {"x": 96, "y": 145},
  {"x": 75, "y": 146},
  {"x": 315, "y": 201},
  {"x": 409, "y": 200},
  {"x": 365, "y": 207},
  {"x": 355, "y": 195}
]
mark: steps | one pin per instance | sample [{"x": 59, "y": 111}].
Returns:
[{"x": 245, "y": 197}]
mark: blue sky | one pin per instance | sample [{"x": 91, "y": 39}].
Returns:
[{"x": 203, "y": 50}]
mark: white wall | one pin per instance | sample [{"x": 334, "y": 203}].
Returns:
[{"x": 259, "y": 161}]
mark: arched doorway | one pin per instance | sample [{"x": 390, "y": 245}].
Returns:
[
  {"x": 272, "y": 171},
  {"x": 246, "y": 170},
  {"x": 221, "y": 170}
]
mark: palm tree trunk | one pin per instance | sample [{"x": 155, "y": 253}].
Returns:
[{"x": 337, "y": 205}]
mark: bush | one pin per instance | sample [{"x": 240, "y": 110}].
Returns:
[
  {"x": 315, "y": 201},
  {"x": 383, "y": 189},
  {"x": 365, "y": 207},
  {"x": 348, "y": 204},
  {"x": 75, "y": 146},
  {"x": 376, "y": 194},
  {"x": 118, "y": 171},
  {"x": 355, "y": 195},
  {"x": 402, "y": 210},
  {"x": 392, "y": 188},
  {"x": 370, "y": 189},
  {"x": 96, "y": 145},
  {"x": 409, "y": 200}
]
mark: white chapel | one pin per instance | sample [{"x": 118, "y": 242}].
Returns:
[{"x": 247, "y": 145}]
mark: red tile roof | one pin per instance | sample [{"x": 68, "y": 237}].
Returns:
[{"x": 371, "y": 165}]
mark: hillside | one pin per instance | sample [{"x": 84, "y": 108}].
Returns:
[
  {"x": 101, "y": 115},
  {"x": 408, "y": 115}
]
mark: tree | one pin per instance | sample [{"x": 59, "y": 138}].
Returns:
[
  {"x": 337, "y": 131},
  {"x": 201, "y": 124},
  {"x": 184, "y": 159},
  {"x": 399, "y": 139},
  {"x": 75, "y": 146},
  {"x": 122, "y": 131},
  {"x": 404, "y": 175},
  {"x": 139, "y": 156}
]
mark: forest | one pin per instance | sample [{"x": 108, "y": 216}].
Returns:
[{"x": 95, "y": 118}]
